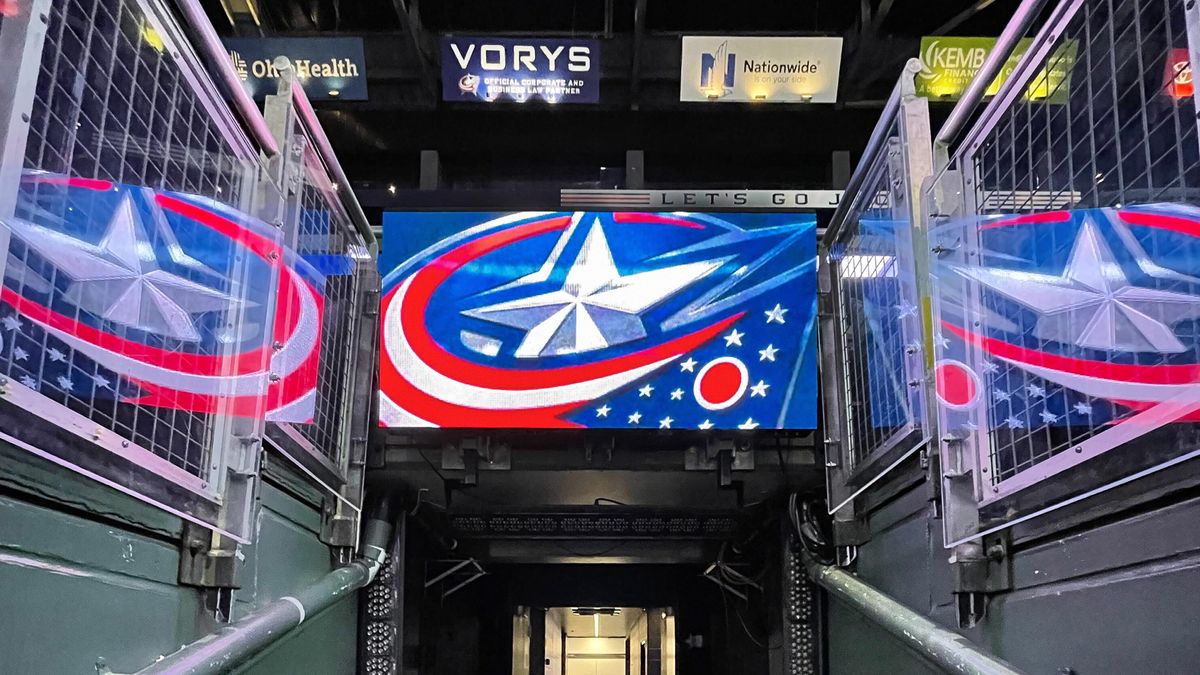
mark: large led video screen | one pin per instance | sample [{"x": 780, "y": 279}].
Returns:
[{"x": 598, "y": 320}]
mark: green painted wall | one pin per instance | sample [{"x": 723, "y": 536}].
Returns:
[
  {"x": 88, "y": 575},
  {"x": 1110, "y": 597}
]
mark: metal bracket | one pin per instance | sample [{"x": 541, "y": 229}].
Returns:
[
  {"x": 463, "y": 572},
  {"x": 207, "y": 560}
]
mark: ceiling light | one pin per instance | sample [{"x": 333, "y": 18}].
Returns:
[
  {"x": 596, "y": 624},
  {"x": 334, "y": 92},
  {"x": 392, "y": 189},
  {"x": 762, "y": 97}
]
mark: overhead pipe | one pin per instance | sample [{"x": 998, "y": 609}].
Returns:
[
  {"x": 218, "y": 60},
  {"x": 239, "y": 641},
  {"x": 948, "y": 650}
]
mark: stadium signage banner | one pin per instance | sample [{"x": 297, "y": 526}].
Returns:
[
  {"x": 329, "y": 68},
  {"x": 599, "y": 319},
  {"x": 487, "y": 69},
  {"x": 762, "y": 69},
  {"x": 948, "y": 64}
]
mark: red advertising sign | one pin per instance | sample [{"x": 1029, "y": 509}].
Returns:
[{"x": 1177, "y": 81}]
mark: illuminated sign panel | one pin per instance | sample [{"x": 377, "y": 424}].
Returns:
[
  {"x": 948, "y": 64},
  {"x": 598, "y": 319},
  {"x": 766, "y": 69},
  {"x": 486, "y": 69},
  {"x": 1177, "y": 80},
  {"x": 328, "y": 68}
]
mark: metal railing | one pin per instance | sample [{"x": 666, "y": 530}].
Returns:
[
  {"x": 167, "y": 291},
  {"x": 872, "y": 318},
  {"x": 1065, "y": 284}
]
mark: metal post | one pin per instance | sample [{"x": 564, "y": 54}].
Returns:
[{"x": 950, "y": 651}]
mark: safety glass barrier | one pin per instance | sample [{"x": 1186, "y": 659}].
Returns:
[
  {"x": 139, "y": 288},
  {"x": 1067, "y": 271},
  {"x": 873, "y": 363}
]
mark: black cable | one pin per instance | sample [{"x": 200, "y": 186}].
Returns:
[{"x": 606, "y": 500}]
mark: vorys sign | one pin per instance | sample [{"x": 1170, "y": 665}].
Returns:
[
  {"x": 520, "y": 69},
  {"x": 948, "y": 64},
  {"x": 329, "y": 68},
  {"x": 770, "y": 69}
]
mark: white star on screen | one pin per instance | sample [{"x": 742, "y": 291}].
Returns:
[
  {"x": 29, "y": 382},
  {"x": 748, "y": 424},
  {"x": 677, "y": 395},
  {"x": 101, "y": 381},
  {"x": 768, "y": 354},
  {"x": 635, "y": 418},
  {"x": 1000, "y": 395},
  {"x": 759, "y": 389},
  {"x": 1014, "y": 423},
  {"x": 989, "y": 367},
  {"x": 596, "y": 307},
  {"x": 55, "y": 354},
  {"x": 645, "y": 391},
  {"x": 64, "y": 382},
  {"x": 1048, "y": 417},
  {"x": 120, "y": 280},
  {"x": 688, "y": 366},
  {"x": 1092, "y": 303},
  {"x": 11, "y": 322},
  {"x": 706, "y": 424},
  {"x": 775, "y": 315},
  {"x": 19, "y": 354},
  {"x": 603, "y": 411},
  {"x": 1035, "y": 391},
  {"x": 734, "y": 338},
  {"x": 1083, "y": 408},
  {"x": 665, "y": 423}
]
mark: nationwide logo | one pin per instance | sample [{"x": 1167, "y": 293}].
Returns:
[
  {"x": 120, "y": 293},
  {"x": 537, "y": 320},
  {"x": 717, "y": 71}
]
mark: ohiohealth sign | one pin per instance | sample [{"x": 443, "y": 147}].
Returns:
[
  {"x": 487, "y": 69},
  {"x": 766, "y": 69},
  {"x": 328, "y": 68}
]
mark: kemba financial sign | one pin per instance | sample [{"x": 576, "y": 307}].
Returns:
[
  {"x": 741, "y": 69},
  {"x": 519, "y": 70}
]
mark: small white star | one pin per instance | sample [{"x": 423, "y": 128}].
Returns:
[
  {"x": 734, "y": 339},
  {"x": 759, "y": 389},
  {"x": 101, "y": 381},
  {"x": 775, "y": 315},
  {"x": 677, "y": 395},
  {"x": 29, "y": 382},
  {"x": 665, "y": 423},
  {"x": 999, "y": 395},
  {"x": 989, "y": 367},
  {"x": 768, "y": 354},
  {"x": 748, "y": 424},
  {"x": 11, "y": 322},
  {"x": 706, "y": 424},
  {"x": 1083, "y": 408},
  {"x": 1035, "y": 391},
  {"x": 635, "y": 418},
  {"x": 19, "y": 354},
  {"x": 688, "y": 366},
  {"x": 56, "y": 355},
  {"x": 603, "y": 411},
  {"x": 644, "y": 392},
  {"x": 1048, "y": 417},
  {"x": 64, "y": 382},
  {"x": 1014, "y": 423}
]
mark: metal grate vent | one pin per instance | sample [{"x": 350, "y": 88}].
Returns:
[{"x": 576, "y": 525}]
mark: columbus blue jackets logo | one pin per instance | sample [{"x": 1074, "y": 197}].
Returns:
[
  {"x": 1071, "y": 318},
  {"x": 618, "y": 320},
  {"x": 124, "y": 294}
]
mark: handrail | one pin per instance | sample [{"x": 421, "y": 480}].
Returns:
[
  {"x": 875, "y": 145},
  {"x": 214, "y": 52},
  {"x": 977, "y": 89},
  {"x": 946, "y": 649},
  {"x": 308, "y": 117}
]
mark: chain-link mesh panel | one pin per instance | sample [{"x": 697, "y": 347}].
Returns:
[
  {"x": 1069, "y": 289},
  {"x": 116, "y": 109},
  {"x": 325, "y": 232}
]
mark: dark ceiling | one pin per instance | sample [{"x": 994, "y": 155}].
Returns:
[{"x": 537, "y": 146}]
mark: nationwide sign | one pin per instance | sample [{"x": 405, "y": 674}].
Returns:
[
  {"x": 948, "y": 64},
  {"x": 328, "y": 68},
  {"x": 599, "y": 319},
  {"x": 764, "y": 69},
  {"x": 487, "y": 69},
  {"x": 1177, "y": 80}
]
